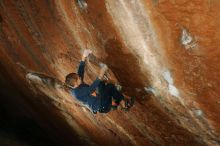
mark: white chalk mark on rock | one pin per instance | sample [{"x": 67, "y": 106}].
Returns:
[
  {"x": 172, "y": 89},
  {"x": 151, "y": 90},
  {"x": 187, "y": 40},
  {"x": 33, "y": 77},
  {"x": 186, "y": 37},
  {"x": 82, "y": 4},
  {"x": 167, "y": 77},
  {"x": 198, "y": 112}
]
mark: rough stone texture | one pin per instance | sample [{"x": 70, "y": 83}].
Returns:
[{"x": 168, "y": 47}]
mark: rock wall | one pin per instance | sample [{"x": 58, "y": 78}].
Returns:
[{"x": 163, "y": 52}]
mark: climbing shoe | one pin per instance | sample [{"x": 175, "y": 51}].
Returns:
[
  {"x": 114, "y": 107},
  {"x": 128, "y": 103}
]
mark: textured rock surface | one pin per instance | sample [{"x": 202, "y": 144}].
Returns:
[{"x": 168, "y": 47}]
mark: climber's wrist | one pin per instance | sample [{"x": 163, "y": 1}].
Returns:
[
  {"x": 86, "y": 54},
  {"x": 101, "y": 75},
  {"x": 83, "y": 58}
]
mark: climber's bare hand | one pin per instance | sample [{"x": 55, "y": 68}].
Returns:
[
  {"x": 103, "y": 70},
  {"x": 86, "y": 53}
]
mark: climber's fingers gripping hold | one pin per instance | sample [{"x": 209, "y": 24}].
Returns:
[
  {"x": 87, "y": 52},
  {"x": 103, "y": 70}
]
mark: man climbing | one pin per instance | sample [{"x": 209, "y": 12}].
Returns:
[{"x": 101, "y": 101}]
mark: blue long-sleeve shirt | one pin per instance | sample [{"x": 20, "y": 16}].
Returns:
[{"x": 84, "y": 91}]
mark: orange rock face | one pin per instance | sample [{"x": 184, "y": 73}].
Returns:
[{"x": 163, "y": 52}]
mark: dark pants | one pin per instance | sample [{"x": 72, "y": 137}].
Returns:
[{"x": 106, "y": 92}]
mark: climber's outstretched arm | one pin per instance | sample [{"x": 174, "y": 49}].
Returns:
[
  {"x": 81, "y": 67},
  {"x": 96, "y": 83},
  {"x": 86, "y": 54}
]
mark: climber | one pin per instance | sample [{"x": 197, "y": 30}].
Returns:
[{"x": 97, "y": 96}]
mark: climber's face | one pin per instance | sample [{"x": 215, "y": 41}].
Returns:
[{"x": 78, "y": 81}]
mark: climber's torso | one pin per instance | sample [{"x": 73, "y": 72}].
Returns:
[{"x": 83, "y": 95}]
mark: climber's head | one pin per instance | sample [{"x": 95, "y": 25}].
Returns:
[{"x": 73, "y": 80}]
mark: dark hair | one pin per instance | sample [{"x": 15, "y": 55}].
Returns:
[{"x": 70, "y": 78}]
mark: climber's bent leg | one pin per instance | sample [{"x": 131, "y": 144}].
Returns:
[
  {"x": 105, "y": 98},
  {"x": 114, "y": 93}
]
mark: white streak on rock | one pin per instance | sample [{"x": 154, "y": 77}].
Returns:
[
  {"x": 152, "y": 90},
  {"x": 172, "y": 89},
  {"x": 167, "y": 77},
  {"x": 33, "y": 77}
]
